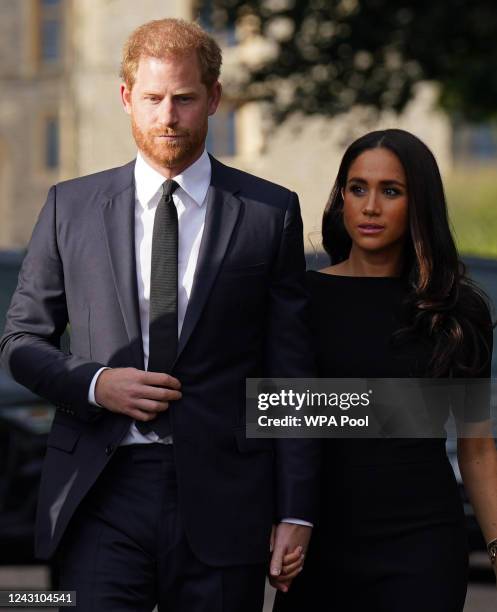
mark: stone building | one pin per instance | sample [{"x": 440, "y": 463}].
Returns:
[
  {"x": 60, "y": 112},
  {"x": 61, "y": 116}
]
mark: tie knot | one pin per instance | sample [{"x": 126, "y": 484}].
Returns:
[{"x": 169, "y": 187}]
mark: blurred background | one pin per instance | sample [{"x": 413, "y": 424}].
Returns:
[{"x": 301, "y": 78}]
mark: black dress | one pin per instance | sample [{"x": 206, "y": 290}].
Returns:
[{"x": 392, "y": 533}]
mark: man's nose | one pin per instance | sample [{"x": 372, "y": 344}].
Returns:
[{"x": 168, "y": 113}]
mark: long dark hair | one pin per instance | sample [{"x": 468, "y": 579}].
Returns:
[{"x": 443, "y": 304}]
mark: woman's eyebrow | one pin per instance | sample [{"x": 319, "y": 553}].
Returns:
[{"x": 358, "y": 179}]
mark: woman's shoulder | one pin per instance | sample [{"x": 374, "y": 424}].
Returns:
[
  {"x": 475, "y": 304},
  {"x": 323, "y": 288},
  {"x": 313, "y": 275},
  {"x": 477, "y": 322},
  {"x": 320, "y": 279},
  {"x": 328, "y": 277}
]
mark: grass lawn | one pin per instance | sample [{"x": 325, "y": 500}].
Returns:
[{"x": 472, "y": 201}]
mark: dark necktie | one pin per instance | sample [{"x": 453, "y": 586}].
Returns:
[{"x": 163, "y": 327}]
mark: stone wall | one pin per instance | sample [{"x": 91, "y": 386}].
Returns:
[{"x": 82, "y": 91}]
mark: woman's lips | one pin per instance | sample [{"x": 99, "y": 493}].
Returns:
[{"x": 369, "y": 229}]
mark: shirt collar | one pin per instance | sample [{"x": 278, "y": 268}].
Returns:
[{"x": 194, "y": 180}]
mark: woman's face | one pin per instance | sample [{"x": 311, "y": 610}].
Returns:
[{"x": 375, "y": 202}]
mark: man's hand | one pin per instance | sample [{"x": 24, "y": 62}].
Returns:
[
  {"x": 289, "y": 544},
  {"x": 141, "y": 395}
]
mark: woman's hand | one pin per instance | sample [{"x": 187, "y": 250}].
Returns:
[
  {"x": 293, "y": 564},
  {"x": 477, "y": 458}
]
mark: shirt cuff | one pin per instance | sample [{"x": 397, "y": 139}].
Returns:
[
  {"x": 93, "y": 384},
  {"x": 296, "y": 521}
]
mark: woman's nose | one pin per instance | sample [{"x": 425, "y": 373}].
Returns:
[{"x": 372, "y": 204}]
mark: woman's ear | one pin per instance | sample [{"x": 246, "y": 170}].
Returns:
[{"x": 342, "y": 193}]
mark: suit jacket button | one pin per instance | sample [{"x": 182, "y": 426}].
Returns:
[{"x": 110, "y": 449}]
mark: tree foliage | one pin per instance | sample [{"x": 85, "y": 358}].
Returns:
[{"x": 335, "y": 53}]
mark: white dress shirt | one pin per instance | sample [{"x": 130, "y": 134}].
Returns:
[{"x": 190, "y": 204}]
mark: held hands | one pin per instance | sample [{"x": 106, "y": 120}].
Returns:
[
  {"x": 289, "y": 543},
  {"x": 138, "y": 394}
]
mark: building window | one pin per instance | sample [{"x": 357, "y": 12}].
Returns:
[
  {"x": 475, "y": 143},
  {"x": 50, "y": 31},
  {"x": 52, "y": 143},
  {"x": 221, "y": 138},
  {"x": 225, "y": 35}
]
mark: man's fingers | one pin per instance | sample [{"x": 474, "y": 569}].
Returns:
[
  {"x": 277, "y": 560},
  {"x": 139, "y": 415},
  {"x": 275, "y": 583},
  {"x": 280, "y": 584},
  {"x": 127, "y": 390},
  {"x": 159, "y": 379},
  {"x": 159, "y": 394},
  {"x": 150, "y": 406}
]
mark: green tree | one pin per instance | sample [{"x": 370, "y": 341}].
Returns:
[{"x": 335, "y": 53}]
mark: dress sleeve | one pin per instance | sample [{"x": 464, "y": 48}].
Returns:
[{"x": 475, "y": 393}]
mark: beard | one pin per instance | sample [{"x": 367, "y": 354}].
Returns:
[{"x": 169, "y": 154}]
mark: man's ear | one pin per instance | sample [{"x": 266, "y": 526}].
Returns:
[
  {"x": 214, "y": 97},
  {"x": 126, "y": 98}
]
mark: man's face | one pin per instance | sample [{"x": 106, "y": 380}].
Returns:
[{"x": 169, "y": 107}]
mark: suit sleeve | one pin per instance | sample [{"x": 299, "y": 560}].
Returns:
[
  {"x": 289, "y": 354},
  {"x": 37, "y": 318}
]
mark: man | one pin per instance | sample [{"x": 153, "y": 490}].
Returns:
[{"x": 179, "y": 278}]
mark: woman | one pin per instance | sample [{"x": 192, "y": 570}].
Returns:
[{"x": 395, "y": 303}]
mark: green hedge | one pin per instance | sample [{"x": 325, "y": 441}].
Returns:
[{"x": 472, "y": 201}]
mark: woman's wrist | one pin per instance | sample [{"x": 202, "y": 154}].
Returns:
[{"x": 492, "y": 551}]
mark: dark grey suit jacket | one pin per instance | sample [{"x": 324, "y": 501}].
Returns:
[{"x": 245, "y": 318}]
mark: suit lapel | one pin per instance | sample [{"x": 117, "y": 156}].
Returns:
[
  {"x": 118, "y": 215},
  {"x": 222, "y": 213}
]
